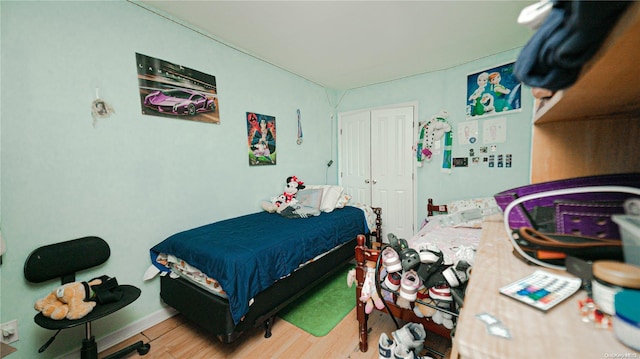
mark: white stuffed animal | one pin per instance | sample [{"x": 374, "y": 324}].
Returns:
[
  {"x": 287, "y": 198},
  {"x": 369, "y": 295}
]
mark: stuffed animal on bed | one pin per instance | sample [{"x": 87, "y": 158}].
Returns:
[
  {"x": 70, "y": 301},
  {"x": 287, "y": 198}
]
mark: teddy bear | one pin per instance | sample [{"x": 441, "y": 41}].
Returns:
[
  {"x": 287, "y": 198},
  {"x": 71, "y": 301}
]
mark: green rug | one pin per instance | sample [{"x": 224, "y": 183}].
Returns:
[{"x": 320, "y": 310}]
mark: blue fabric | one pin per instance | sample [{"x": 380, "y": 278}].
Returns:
[
  {"x": 247, "y": 254},
  {"x": 566, "y": 40}
]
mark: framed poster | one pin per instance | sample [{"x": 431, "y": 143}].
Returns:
[
  {"x": 175, "y": 91},
  {"x": 261, "y": 139},
  {"x": 493, "y": 91}
]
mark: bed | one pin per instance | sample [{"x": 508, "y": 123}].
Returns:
[
  {"x": 232, "y": 275},
  {"x": 453, "y": 228}
]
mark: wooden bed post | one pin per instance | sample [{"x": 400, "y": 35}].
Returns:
[
  {"x": 361, "y": 270},
  {"x": 361, "y": 256}
]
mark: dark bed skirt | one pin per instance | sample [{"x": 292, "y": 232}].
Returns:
[{"x": 212, "y": 313}]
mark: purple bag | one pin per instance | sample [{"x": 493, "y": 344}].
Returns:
[
  {"x": 578, "y": 207},
  {"x": 587, "y": 213}
]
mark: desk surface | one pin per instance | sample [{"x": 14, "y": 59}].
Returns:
[{"x": 559, "y": 333}]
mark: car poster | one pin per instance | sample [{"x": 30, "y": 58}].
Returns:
[
  {"x": 175, "y": 91},
  {"x": 261, "y": 139}
]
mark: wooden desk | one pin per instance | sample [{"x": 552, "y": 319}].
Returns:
[{"x": 559, "y": 333}]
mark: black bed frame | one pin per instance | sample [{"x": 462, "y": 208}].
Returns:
[{"x": 211, "y": 312}]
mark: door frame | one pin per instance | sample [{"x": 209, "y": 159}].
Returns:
[{"x": 414, "y": 181}]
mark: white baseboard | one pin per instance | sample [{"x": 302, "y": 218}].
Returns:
[{"x": 129, "y": 331}]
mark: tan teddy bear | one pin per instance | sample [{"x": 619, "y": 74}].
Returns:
[{"x": 70, "y": 301}]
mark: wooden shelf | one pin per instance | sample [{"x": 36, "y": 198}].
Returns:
[
  {"x": 593, "y": 127},
  {"x": 609, "y": 86}
]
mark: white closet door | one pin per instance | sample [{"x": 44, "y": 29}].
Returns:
[
  {"x": 376, "y": 167},
  {"x": 355, "y": 155},
  {"x": 392, "y": 169}
]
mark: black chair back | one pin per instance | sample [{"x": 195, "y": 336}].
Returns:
[{"x": 64, "y": 259}]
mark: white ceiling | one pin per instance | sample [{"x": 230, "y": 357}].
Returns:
[{"x": 350, "y": 44}]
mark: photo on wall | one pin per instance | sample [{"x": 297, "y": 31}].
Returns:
[
  {"x": 175, "y": 91},
  {"x": 493, "y": 91},
  {"x": 261, "y": 139}
]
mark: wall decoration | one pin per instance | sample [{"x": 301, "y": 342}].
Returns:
[
  {"x": 460, "y": 162},
  {"x": 468, "y": 132},
  {"x": 261, "y": 139},
  {"x": 100, "y": 108},
  {"x": 494, "y": 130},
  {"x": 430, "y": 133},
  {"x": 446, "y": 156},
  {"x": 299, "y": 140},
  {"x": 175, "y": 91},
  {"x": 493, "y": 91}
]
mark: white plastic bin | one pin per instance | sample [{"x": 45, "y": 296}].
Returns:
[{"x": 630, "y": 231}]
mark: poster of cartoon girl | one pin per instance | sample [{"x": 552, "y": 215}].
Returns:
[
  {"x": 261, "y": 139},
  {"x": 493, "y": 91}
]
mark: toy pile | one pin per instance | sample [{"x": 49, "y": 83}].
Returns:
[{"x": 423, "y": 279}]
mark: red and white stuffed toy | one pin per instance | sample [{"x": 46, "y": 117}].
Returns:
[{"x": 287, "y": 198}]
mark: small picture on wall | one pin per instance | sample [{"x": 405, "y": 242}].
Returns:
[
  {"x": 261, "y": 139},
  {"x": 175, "y": 91},
  {"x": 493, "y": 91},
  {"x": 494, "y": 130},
  {"x": 468, "y": 132}
]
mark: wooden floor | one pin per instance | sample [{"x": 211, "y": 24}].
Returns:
[{"x": 176, "y": 339}]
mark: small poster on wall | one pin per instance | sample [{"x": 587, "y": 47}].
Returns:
[
  {"x": 175, "y": 91},
  {"x": 493, "y": 91},
  {"x": 494, "y": 130},
  {"x": 468, "y": 132},
  {"x": 261, "y": 139}
]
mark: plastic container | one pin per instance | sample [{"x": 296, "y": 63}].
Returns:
[
  {"x": 626, "y": 323},
  {"x": 611, "y": 277},
  {"x": 630, "y": 232}
]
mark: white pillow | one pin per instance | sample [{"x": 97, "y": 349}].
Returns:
[
  {"x": 310, "y": 197},
  {"x": 343, "y": 200},
  {"x": 330, "y": 196},
  {"x": 473, "y": 203}
]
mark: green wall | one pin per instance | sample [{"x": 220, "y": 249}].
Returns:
[
  {"x": 132, "y": 179},
  {"x": 135, "y": 179},
  {"x": 447, "y": 90}
]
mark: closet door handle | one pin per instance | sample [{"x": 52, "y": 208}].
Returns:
[
  {"x": 374, "y": 181},
  {"x": 366, "y": 181}
]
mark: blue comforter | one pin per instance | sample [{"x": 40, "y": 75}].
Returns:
[{"x": 247, "y": 254}]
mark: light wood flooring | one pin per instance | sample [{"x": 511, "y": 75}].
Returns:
[{"x": 175, "y": 338}]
